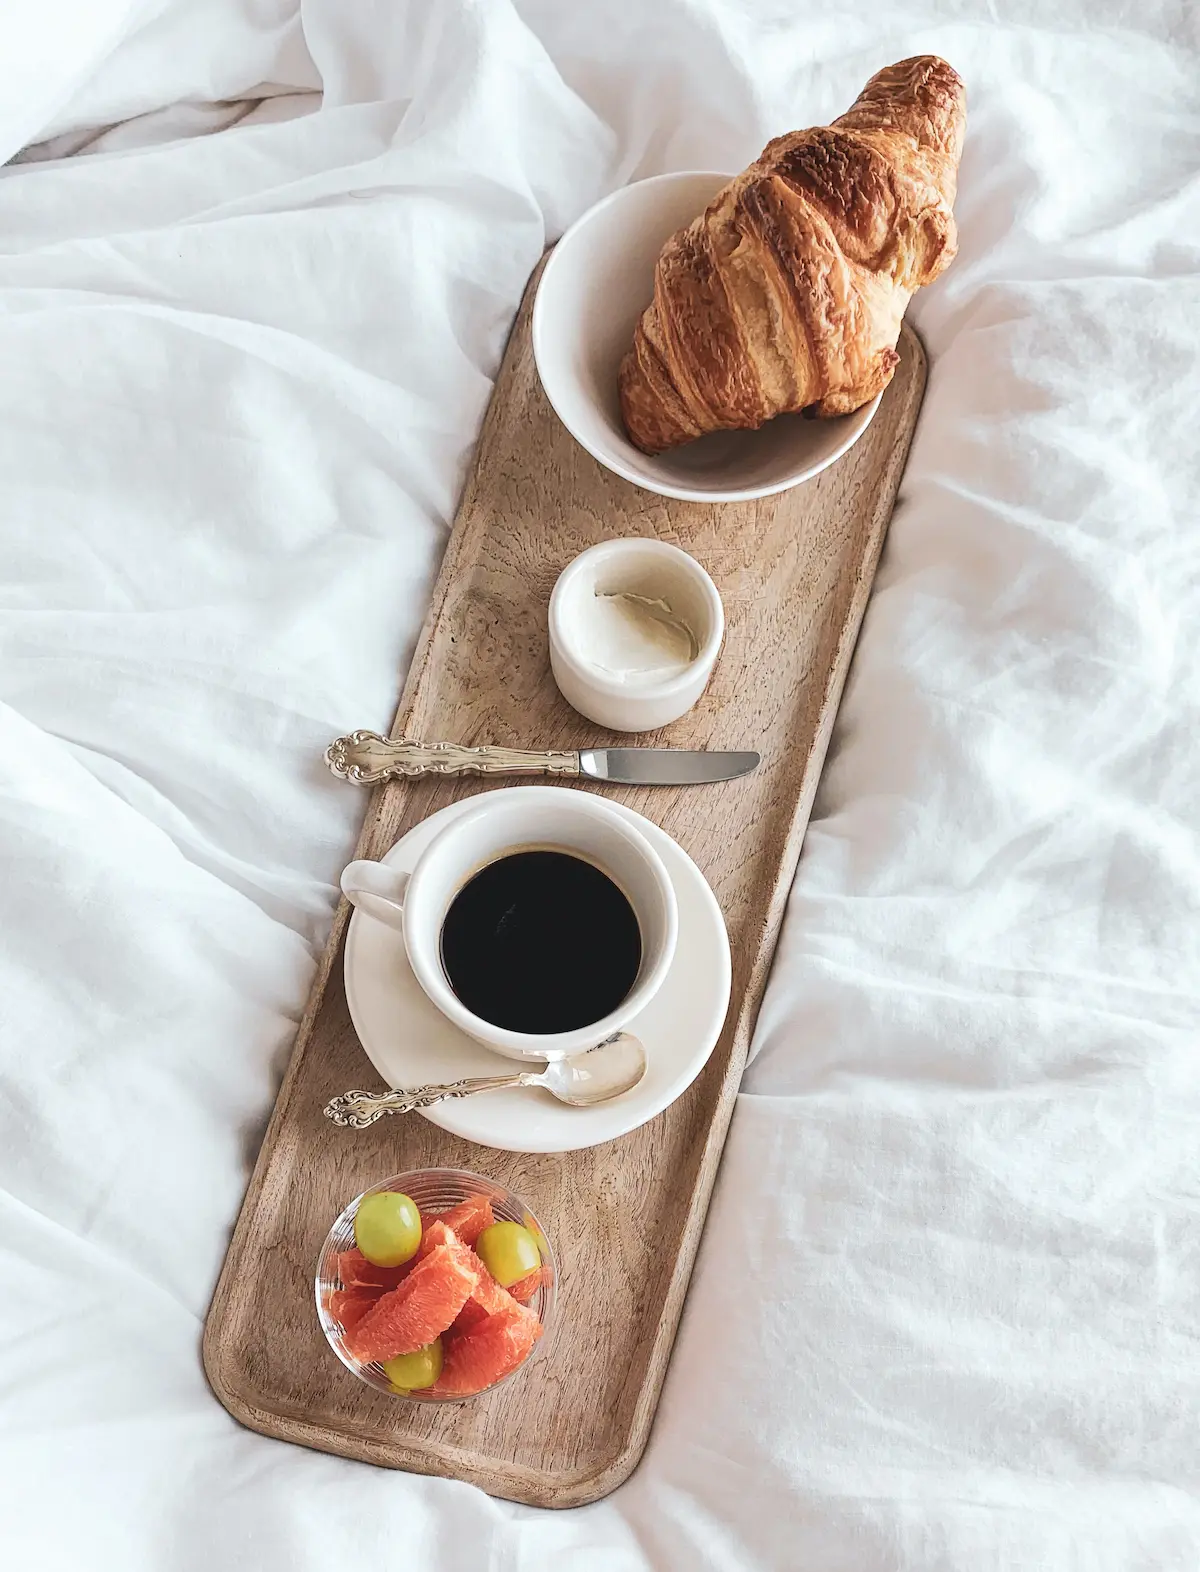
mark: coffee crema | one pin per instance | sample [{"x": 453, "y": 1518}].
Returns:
[{"x": 541, "y": 941}]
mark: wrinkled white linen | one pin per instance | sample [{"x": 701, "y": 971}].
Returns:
[
  {"x": 72, "y": 67},
  {"x": 944, "y": 1314}
]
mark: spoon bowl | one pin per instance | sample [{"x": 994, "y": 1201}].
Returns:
[{"x": 596, "y": 1076}]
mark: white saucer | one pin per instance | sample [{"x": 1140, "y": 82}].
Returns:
[{"x": 410, "y": 1042}]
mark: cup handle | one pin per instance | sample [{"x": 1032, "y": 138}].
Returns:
[{"x": 377, "y": 890}]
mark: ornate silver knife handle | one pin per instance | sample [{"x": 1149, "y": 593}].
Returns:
[
  {"x": 360, "y": 1109},
  {"x": 367, "y": 758}
]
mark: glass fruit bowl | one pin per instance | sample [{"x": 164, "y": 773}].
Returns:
[{"x": 492, "y": 1326}]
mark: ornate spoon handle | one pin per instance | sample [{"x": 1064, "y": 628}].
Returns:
[
  {"x": 359, "y": 1109},
  {"x": 367, "y": 758}
]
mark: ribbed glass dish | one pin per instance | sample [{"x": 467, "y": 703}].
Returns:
[{"x": 434, "y": 1190}]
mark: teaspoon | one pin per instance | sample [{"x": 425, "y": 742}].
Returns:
[{"x": 597, "y": 1075}]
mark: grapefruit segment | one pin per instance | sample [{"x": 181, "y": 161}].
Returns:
[
  {"x": 488, "y": 1352},
  {"x": 488, "y": 1292},
  {"x": 436, "y": 1233},
  {"x": 356, "y": 1271},
  {"x": 420, "y": 1309},
  {"x": 491, "y": 1298},
  {"x": 471, "y": 1314},
  {"x": 465, "y": 1221},
  {"x": 524, "y": 1288},
  {"x": 469, "y": 1218},
  {"x": 349, "y": 1305}
]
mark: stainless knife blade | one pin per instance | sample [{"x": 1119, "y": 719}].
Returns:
[{"x": 664, "y": 766}]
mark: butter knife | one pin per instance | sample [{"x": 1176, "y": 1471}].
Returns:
[{"x": 367, "y": 759}]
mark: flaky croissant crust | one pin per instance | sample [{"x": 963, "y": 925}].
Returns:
[{"x": 787, "y": 293}]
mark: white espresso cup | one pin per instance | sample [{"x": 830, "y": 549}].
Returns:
[{"x": 497, "y": 825}]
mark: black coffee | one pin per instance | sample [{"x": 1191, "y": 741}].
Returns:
[{"x": 541, "y": 941}]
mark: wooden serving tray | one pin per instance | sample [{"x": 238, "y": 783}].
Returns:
[{"x": 795, "y": 572}]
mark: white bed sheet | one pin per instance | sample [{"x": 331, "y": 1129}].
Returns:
[
  {"x": 945, "y": 1312},
  {"x": 71, "y": 69}
]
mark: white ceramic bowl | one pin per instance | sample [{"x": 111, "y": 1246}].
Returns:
[
  {"x": 659, "y": 571},
  {"x": 597, "y": 283}
]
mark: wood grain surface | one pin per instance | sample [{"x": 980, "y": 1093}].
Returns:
[{"x": 795, "y": 572}]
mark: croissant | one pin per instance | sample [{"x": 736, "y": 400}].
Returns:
[{"x": 788, "y": 291}]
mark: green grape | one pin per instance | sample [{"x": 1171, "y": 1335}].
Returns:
[
  {"x": 509, "y": 1252},
  {"x": 387, "y": 1228},
  {"x": 414, "y": 1372}
]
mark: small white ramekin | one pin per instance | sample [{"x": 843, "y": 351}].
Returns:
[{"x": 641, "y": 567}]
